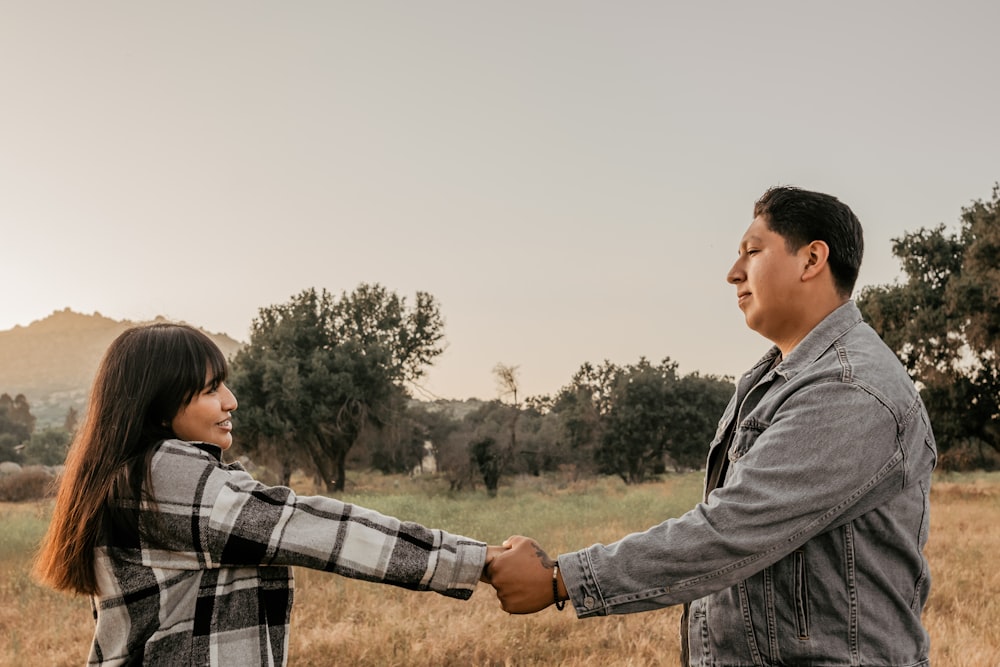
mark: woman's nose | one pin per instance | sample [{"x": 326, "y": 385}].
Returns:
[{"x": 231, "y": 402}]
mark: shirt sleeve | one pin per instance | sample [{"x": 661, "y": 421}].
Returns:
[
  {"x": 830, "y": 454},
  {"x": 208, "y": 515}
]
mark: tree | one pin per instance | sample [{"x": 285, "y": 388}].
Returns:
[
  {"x": 508, "y": 384},
  {"x": 16, "y": 418},
  {"x": 319, "y": 369},
  {"x": 10, "y": 448},
  {"x": 944, "y": 323},
  {"x": 540, "y": 443},
  {"x": 47, "y": 447},
  {"x": 582, "y": 408},
  {"x": 700, "y": 402},
  {"x": 484, "y": 432},
  {"x": 71, "y": 420},
  {"x": 639, "y": 423},
  {"x": 634, "y": 420},
  {"x": 400, "y": 445},
  {"x": 454, "y": 460},
  {"x": 488, "y": 459}
]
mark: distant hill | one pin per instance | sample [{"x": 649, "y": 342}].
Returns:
[{"x": 52, "y": 361}]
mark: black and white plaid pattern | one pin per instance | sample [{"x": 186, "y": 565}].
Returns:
[{"x": 213, "y": 585}]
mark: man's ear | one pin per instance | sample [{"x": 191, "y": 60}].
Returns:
[{"x": 816, "y": 255}]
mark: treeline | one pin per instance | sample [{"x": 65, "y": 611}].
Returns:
[
  {"x": 323, "y": 381},
  {"x": 324, "y": 375},
  {"x": 632, "y": 421}
]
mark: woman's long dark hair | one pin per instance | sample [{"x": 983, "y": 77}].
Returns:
[{"x": 147, "y": 375}]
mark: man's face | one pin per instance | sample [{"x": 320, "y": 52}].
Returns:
[{"x": 768, "y": 279}]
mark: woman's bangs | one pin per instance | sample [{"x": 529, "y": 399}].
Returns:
[
  {"x": 216, "y": 365},
  {"x": 204, "y": 365}
]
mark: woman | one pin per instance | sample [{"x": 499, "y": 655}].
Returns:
[{"x": 187, "y": 558}]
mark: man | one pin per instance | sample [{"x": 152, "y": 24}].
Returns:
[{"x": 808, "y": 547}]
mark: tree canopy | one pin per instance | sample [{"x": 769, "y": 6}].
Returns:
[
  {"x": 320, "y": 369},
  {"x": 16, "y": 426},
  {"x": 636, "y": 419},
  {"x": 15, "y": 417},
  {"x": 943, "y": 322}
]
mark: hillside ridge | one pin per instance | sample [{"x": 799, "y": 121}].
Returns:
[{"x": 52, "y": 361}]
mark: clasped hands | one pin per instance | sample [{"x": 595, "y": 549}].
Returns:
[{"x": 521, "y": 572}]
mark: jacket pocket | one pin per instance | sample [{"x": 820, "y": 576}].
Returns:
[
  {"x": 745, "y": 436},
  {"x": 801, "y": 588}
]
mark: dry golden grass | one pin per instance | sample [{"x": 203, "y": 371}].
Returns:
[
  {"x": 964, "y": 551},
  {"x": 337, "y": 621}
]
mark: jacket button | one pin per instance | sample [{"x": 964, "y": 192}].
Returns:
[{"x": 589, "y": 602}]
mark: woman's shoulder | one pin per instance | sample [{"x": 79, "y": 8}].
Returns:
[
  {"x": 180, "y": 458},
  {"x": 182, "y": 470}
]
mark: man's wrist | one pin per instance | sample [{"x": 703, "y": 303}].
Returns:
[
  {"x": 561, "y": 587},
  {"x": 556, "y": 596}
]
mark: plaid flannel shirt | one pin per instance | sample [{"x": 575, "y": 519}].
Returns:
[{"x": 216, "y": 587}]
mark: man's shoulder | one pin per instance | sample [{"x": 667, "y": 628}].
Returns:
[
  {"x": 845, "y": 349},
  {"x": 866, "y": 352},
  {"x": 862, "y": 359}
]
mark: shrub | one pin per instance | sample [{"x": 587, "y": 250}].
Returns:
[
  {"x": 968, "y": 455},
  {"x": 32, "y": 483}
]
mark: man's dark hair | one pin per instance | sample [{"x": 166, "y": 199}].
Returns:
[{"x": 801, "y": 217}]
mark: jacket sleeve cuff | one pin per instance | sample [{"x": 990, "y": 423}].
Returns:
[
  {"x": 459, "y": 565},
  {"x": 578, "y": 576}
]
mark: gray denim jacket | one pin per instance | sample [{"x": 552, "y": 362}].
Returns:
[{"x": 811, "y": 550}]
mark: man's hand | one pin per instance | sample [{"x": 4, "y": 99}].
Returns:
[{"x": 522, "y": 576}]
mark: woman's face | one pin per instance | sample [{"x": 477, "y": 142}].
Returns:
[{"x": 208, "y": 417}]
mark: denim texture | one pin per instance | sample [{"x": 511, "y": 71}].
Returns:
[{"x": 811, "y": 550}]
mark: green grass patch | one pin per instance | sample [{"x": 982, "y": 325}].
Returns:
[
  {"x": 23, "y": 525},
  {"x": 559, "y": 513}
]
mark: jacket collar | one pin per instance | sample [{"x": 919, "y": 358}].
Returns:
[{"x": 832, "y": 327}]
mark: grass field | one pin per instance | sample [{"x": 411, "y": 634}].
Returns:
[{"x": 337, "y": 621}]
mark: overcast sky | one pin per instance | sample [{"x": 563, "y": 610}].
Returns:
[{"x": 569, "y": 179}]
